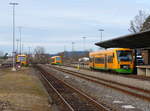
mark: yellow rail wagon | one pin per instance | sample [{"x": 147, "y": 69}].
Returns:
[
  {"x": 120, "y": 60},
  {"x": 56, "y": 60},
  {"x": 22, "y": 59}
]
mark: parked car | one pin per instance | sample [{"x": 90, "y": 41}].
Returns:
[{"x": 140, "y": 60}]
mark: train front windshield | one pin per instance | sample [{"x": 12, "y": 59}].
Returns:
[
  {"x": 20, "y": 58},
  {"x": 124, "y": 55},
  {"x": 58, "y": 58}
]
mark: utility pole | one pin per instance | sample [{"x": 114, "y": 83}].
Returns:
[
  {"x": 84, "y": 43},
  {"x": 17, "y": 40},
  {"x": 29, "y": 50},
  {"x": 64, "y": 51},
  {"x": 13, "y": 53},
  {"x": 22, "y": 48},
  {"x": 101, "y": 30},
  {"x": 64, "y": 48},
  {"x": 73, "y": 54},
  {"x": 20, "y": 32},
  {"x": 73, "y": 46}
]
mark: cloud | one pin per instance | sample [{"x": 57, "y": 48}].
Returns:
[{"x": 53, "y": 24}]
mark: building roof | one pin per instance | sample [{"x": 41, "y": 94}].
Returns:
[{"x": 138, "y": 40}]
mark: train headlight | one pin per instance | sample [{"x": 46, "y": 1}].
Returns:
[{"x": 125, "y": 66}]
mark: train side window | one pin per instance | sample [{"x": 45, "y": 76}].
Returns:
[
  {"x": 99, "y": 60},
  {"x": 58, "y": 58},
  {"x": 110, "y": 59}
]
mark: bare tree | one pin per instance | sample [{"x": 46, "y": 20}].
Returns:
[
  {"x": 136, "y": 25},
  {"x": 39, "y": 50},
  {"x": 146, "y": 24},
  {"x": 72, "y": 57},
  {"x": 40, "y": 55}
]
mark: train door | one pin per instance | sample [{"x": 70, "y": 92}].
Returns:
[
  {"x": 110, "y": 61},
  {"x": 93, "y": 61}
]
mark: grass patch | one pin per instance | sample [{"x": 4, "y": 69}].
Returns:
[{"x": 23, "y": 89}]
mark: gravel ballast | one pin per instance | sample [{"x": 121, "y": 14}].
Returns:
[
  {"x": 125, "y": 80},
  {"x": 114, "y": 98}
]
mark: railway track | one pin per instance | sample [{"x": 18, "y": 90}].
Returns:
[
  {"x": 66, "y": 96},
  {"x": 114, "y": 73},
  {"x": 4, "y": 66},
  {"x": 127, "y": 89}
]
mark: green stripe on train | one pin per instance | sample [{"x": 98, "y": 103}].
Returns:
[
  {"x": 124, "y": 70},
  {"x": 116, "y": 70},
  {"x": 56, "y": 63},
  {"x": 98, "y": 68}
]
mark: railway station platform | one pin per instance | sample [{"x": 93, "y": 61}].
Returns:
[
  {"x": 143, "y": 70},
  {"x": 113, "y": 77}
]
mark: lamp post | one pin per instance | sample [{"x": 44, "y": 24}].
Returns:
[
  {"x": 101, "y": 30},
  {"x": 73, "y": 54},
  {"x": 64, "y": 50},
  {"x": 17, "y": 40},
  {"x": 22, "y": 48},
  {"x": 73, "y": 46},
  {"x": 13, "y": 53},
  {"x": 84, "y": 45},
  {"x": 20, "y": 31},
  {"x": 29, "y": 50}
]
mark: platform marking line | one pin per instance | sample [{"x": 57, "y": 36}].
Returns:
[
  {"x": 66, "y": 77},
  {"x": 128, "y": 107},
  {"x": 118, "y": 102},
  {"x": 108, "y": 96}
]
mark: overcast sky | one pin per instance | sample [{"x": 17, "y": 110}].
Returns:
[{"x": 54, "y": 24}]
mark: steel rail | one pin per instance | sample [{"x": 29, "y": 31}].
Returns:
[
  {"x": 109, "y": 84},
  {"x": 64, "y": 101},
  {"x": 110, "y": 81},
  {"x": 92, "y": 101},
  {"x": 144, "y": 78}
]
